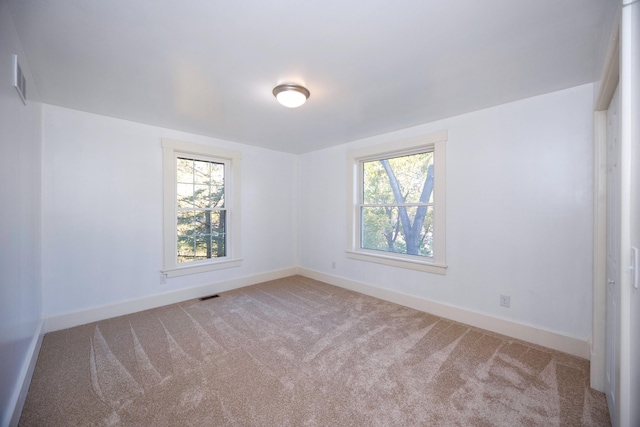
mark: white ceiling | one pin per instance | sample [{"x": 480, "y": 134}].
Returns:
[{"x": 208, "y": 66}]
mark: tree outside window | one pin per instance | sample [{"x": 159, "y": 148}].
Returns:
[
  {"x": 201, "y": 212},
  {"x": 202, "y": 215},
  {"x": 397, "y": 199},
  {"x": 397, "y": 207}
]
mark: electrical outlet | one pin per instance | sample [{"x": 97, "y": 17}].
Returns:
[
  {"x": 333, "y": 264},
  {"x": 505, "y": 301},
  {"x": 163, "y": 278}
]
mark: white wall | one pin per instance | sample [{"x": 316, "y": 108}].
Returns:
[
  {"x": 20, "y": 286},
  {"x": 519, "y": 213},
  {"x": 102, "y": 211}
]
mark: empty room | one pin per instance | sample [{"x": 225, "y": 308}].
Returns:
[{"x": 319, "y": 213}]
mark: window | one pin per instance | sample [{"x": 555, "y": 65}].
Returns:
[
  {"x": 201, "y": 211},
  {"x": 397, "y": 203},
  {"x": 201, "y": 208}
]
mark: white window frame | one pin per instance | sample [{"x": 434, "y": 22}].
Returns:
[
  {"x": 435, "y": 142},
  {"x": 232, "y": 159}
]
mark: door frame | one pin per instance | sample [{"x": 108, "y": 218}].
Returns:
[
  {"x": 618, "y": 67},
  {"x": 609, "y": 81}
]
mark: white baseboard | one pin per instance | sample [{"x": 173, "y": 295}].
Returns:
[
  {"x": 598, "y": 371},
  {"x": 95, "y": 314},
  {"x": 510, "y": 328},
  {"x": 19, "y": 395}
]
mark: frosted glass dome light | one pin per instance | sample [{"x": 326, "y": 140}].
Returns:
[{"x": 290, "y": 95}]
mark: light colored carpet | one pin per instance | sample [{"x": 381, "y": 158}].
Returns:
[{"x": 298, "y": 352}]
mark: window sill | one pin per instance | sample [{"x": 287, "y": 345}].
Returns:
[
  {"x": 428, "y": 267},
  {"x": 201, "y": 268}
]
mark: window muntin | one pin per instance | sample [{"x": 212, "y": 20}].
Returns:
[{"x": 398, "y": 190}]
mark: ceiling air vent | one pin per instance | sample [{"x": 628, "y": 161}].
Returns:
[{"x": 19, "y": 81}]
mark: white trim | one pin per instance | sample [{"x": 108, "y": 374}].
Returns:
[
  {"x": 629, "y": 29},
  {"x": 197, "y": 149},
  {"x": 171, "y": 148},
  {"x": 599, "y": 251},
  {"x": 439, "y": 200},
  {"x": 95, "y": 314},
  {"x": 609, "y": 80},
  {"x": 535, "y": 335},
  {"x": 192, "y": 269},
  {"x": 610, "y": 75},
  {"x": 382, "y": 258},
  {"x": 435, "y": 141},
  {"x": 408, "y": 144},
  {"x": 19, "y": 395}
]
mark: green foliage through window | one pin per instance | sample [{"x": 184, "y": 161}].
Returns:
[
  {"x": 201, "y": 213},
  {"x": 397, "y": 204}
]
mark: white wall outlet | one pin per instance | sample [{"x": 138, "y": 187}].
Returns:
[
  {"x": 333, "y": 264},
  {"x": 505, "y": 301},
  {"x": 163, "y": 278}
]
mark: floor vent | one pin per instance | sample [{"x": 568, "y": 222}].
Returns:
[{"x": 209, "y": 297}]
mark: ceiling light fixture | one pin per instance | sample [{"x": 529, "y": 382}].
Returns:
[{"x": 291, "y": 95}]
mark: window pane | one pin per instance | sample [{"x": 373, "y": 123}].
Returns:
[
  {"x": 201, "y": 172},
  {"x": 203, "y": 247},
  {"x": 201, "y": 235},
  {"x": 200, "y": 183},
  {"x": 219, "y": 233},
  {"x": 405, "y": 179},
  {"x": 217, "y": 173},
  {"x": 217, "y": 196},
  {"x": 201, "y": 196},
  {"x": 376, "y": 184},
  {"x": 208, "y": 247},
  {"x": 217, "y": 185},
  {"x": 218, "y": 221},
  {"x": 403, "y": 230},
  {"x": 185, "y": 224},
  {"x": 219, "y": 244},
  {"x": 185, "y": 249},
  {"x": 201, "y": 231},
  {"x": 184, "y": 170},
  {"x": 185, "y": 195},
  {"x": 203, "y": 222}
]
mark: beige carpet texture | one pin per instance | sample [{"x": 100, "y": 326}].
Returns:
[{"x": 298, "y": 352}]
